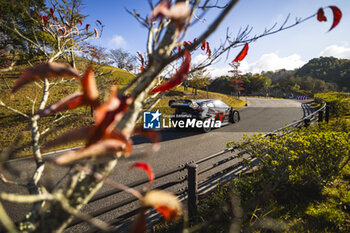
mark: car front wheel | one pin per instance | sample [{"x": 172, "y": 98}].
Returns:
[{"x": 235, "y": 117}]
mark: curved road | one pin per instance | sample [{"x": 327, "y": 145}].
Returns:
[{"x": 261, "y": 115}]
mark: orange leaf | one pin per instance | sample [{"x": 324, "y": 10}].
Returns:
[
  {"x": 102, "y": 147},
  {"x": 90, "y": 88},
  {"x": 45, "y": 70},
  {"x": 320, "y": 15},
  {"x": 108, "y": 115},
  {"x": 96, "y": 32},
  {"x": 88, "y": 97},
  {"x": 167, "y": 204},
  {"x": 179, "y": 76},
  {"x": 336, "y": 16},
  {"x": 242, "y": 54},
  {"x": 70, "y": 102},
  {"x": 146, "y": 168}
]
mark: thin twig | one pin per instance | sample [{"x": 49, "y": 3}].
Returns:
[{"x": 13, "y": 110}]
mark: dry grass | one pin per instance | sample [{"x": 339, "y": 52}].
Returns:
[{"x": 17, "y": 128}]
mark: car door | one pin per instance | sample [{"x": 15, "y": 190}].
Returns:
[{"x": 223, "y": 109}]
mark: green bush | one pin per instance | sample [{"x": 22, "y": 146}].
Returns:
[
  {"x": 295, "y": 170},
  {"x": 339, "y": 102}
]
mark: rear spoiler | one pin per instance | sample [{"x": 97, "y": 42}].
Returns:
[{"x": 183, "y": 103}]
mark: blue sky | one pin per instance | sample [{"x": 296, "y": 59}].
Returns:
[{"x": 289, "y": 49}]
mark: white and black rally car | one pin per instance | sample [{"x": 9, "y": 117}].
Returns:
[{"x": 203, "y": 110}]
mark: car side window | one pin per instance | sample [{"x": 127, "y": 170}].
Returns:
[
  {"x": 220, "y": 104},
  {"x": 210, "y": 105}
]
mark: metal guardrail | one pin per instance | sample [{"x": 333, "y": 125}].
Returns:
[{"x": 221, "y": 169}]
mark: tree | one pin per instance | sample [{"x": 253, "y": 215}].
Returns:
[
  {"x": 198, "y": 80},
  {"x": 55, "y": 37},
  {"x": 115, "y": 119},
  {"x": 122, "y": 58},
  {"x": 256, "y": 83},
  {"x": 236, "y": 82}
]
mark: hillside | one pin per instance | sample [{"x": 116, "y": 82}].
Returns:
[
  {"x": 322, "y": 74},
  {"x": 328, "y": 69},
  {"x": 15, "y": 130}
]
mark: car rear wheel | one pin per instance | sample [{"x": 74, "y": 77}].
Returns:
[
  {"x": 235, "y": 117},
  {"x": 206, "y": 129}
]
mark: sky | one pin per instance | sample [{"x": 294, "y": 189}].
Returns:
[{"x": 288, "y": 49}]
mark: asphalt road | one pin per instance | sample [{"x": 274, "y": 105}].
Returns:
[{"x": 261, "y": 115}]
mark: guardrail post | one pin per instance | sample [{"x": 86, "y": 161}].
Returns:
[
  {"x": 327, "y": 112},
  {"x": 307, "y": 122},
  {"x": 320, "y": 116},
  {"x": 192, "y": 179}
]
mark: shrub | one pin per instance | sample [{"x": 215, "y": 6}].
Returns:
[{"x": 339, "y": 102}]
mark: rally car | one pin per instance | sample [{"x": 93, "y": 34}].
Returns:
[{"x": 204, "y": 110}]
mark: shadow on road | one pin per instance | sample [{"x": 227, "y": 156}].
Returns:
[{"x": 168, "y": 135}]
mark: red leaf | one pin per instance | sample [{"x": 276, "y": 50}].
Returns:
[
  {"x": 88, "y": 97},
  {"x": 209, "y": 52},
  {"x": 178, "y": 77},
  {"x": 87, "y": 27},
  {"x": 90, "y": 88},
  {"x": 146, "y": 168},
  {"x": 70, "y": 102},
  {"x": 108, "y": 115},
  {"x": 44, "y": 19},
  {"x": 141, "y": 58},
  {"x": 63, "y": 31},
  {"x": 111, "y": 104},
  {"x": 151, "y": 134},
  {"x": 242, "y": 54},
  {"x": 336, "y": 16},
  {"x": 141, "y": 69},
  {"x": 52, "y": 12},
  {"x": 79, "y": 21},
  {"x": 320, "y": 15},
  {"x": 45, "y": 70},
  {"x": 187, "y": 43}
]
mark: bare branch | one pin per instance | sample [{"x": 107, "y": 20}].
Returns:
[
  {"x": 6, "y": 220},
  {"x": 7, "y": 181},
  {"x": 13, "y": 110}
]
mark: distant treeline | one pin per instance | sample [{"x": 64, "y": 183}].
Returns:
[{"x": 318, "y": 75}]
